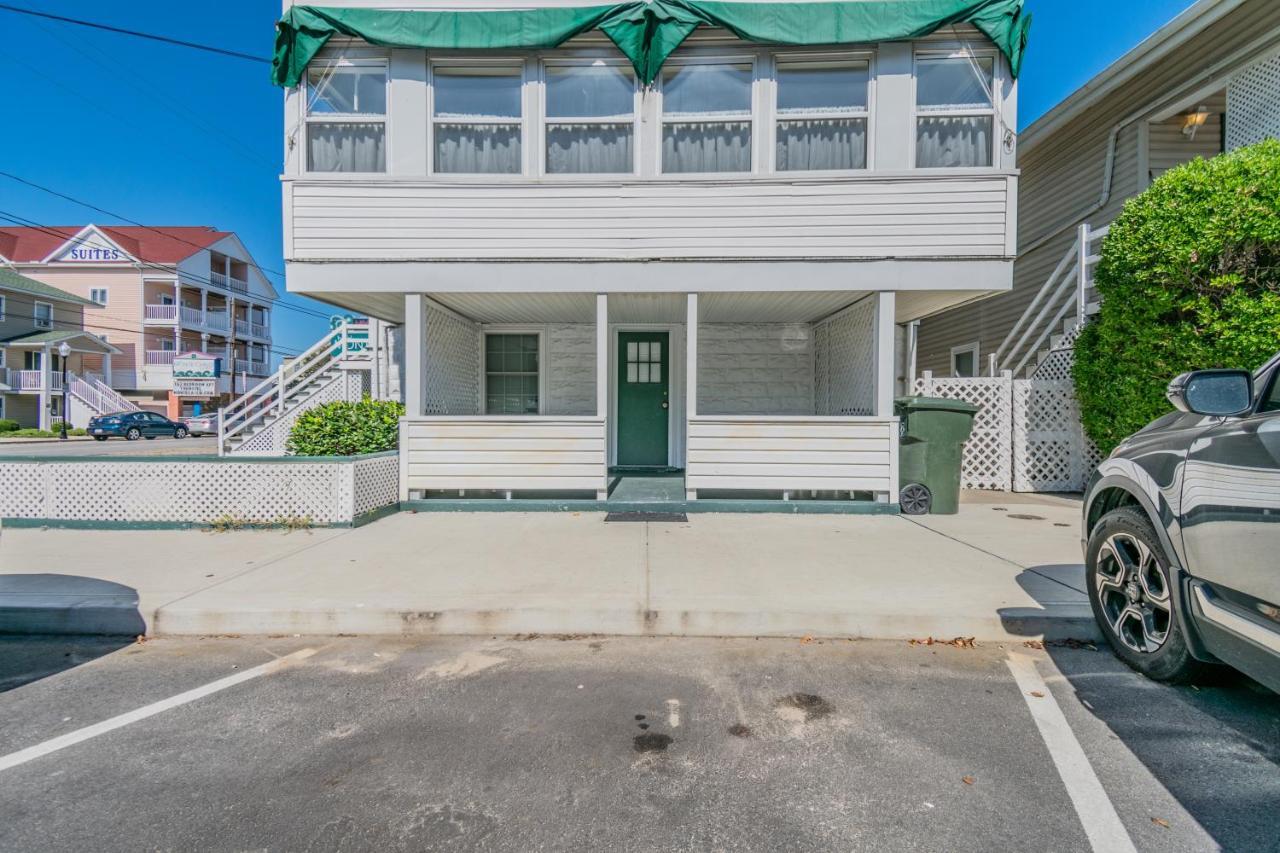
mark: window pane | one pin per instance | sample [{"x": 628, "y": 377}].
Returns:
[
  {"x": 822, "y": 144},
  {"x": 962, "y": 364},
  {"x": 511, "y": 374},
  {"x": 818, "y": 86},
  {"x": 590, "y": 149},
  {"x": 954, "y": 83},
  {"x": 474, "y": 92},
  {"x": 346, "y": 148},
  {"x": 706, "y": 147},
  {"x": 589, "y": 91},
  {"x": 960, "y": 141},
  {"x": 702, "y": 89},
  {"x": 478, "y": 149},
  {"x": 347, "y": 90}
]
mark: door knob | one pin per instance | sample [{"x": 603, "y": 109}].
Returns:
[{"x": 665, "y": 404}]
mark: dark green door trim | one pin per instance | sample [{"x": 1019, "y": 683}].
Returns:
[{"x": 643, "y": 382}]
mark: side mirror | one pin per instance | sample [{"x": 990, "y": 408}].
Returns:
[{"x": 1220, "y": 393}]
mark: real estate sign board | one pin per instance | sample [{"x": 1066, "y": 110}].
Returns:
[{"x": 195, "y": 374}]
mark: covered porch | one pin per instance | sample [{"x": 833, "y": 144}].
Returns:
[
  {"x": 720, "y": 398},
  {"x": 35, "y": 364}
]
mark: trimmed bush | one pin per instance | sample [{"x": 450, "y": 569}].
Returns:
[
  {"x": 29, "y": 433},
  {"x": 347, "y": 429},
  {"x": 8, "y": 425},
  {"x": 1189, "y": 277}
]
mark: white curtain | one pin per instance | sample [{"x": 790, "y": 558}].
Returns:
[
  {"x": 346, "y": 147},
  {"x": 706, "y": 147},
  {"x": 590, "y": 149},
  {"x": 953, "y": 141},
  {"x": 478, "y": 149},
  {"x": 813, "y": 144}
]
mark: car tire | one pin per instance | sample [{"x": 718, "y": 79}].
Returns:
[
  {"x": 99, "y": 438},
  {"x": 180, "y": 432},
  {"x": 132, "y": 434},
  {"x": 1131, "y": 591}
]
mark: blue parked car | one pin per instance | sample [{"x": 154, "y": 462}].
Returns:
[{"x": 135, "y": 425}]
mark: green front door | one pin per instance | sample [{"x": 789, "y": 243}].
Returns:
[{"x": 643, "y": 398}]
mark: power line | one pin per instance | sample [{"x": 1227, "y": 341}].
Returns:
[{"x": 235, "y": 54}]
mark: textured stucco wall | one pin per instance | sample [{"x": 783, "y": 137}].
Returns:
[
  {"x": 570, "y": 369},
  {"x": 755, "y": 369}
]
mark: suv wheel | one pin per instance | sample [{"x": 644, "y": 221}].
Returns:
[
  {"x": 1131, "y": 592},
  {"x": 133, "y": 434}
]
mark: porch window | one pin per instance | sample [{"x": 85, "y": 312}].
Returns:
[
  {"x": 822, "y": 115},
  {"x": 964, "y": 360},
  {"x": 511, "y": 374},
  {"x": 955, "y": 117},
  {"x": 347, "y": 117},
  {"x": 590, "y": 119},
  {"x": 43, "y": 315},
  {"x": 706, "y": 118},
  {"x": 478, "y": 119}
]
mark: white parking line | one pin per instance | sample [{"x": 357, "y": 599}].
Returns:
[
  {"x": 1094, "y": 808},
  {"x": 31, "y": 753}
]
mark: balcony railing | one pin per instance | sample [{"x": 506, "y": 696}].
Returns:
[
  {"x": 33, "y": 380},
  {"x": 160, "y": 356},
  {"x": 228, "y": 282},
  {"x": 259, "y": 368},
  {"x": 250, "y": 328},
  {"x": 217, "y": 278},
  {"x": 192, "y": 316},
  {"x": 217, "y": 319},
  {"x": 160, "y": 313},
  {"x": 238, "y": 284}
]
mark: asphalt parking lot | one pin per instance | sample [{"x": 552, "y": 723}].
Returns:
[
  {"x": 191, "y": 446},
  {"x": 593, "y": 743}
]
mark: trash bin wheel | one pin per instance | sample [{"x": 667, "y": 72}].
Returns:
[{"x": 915, "y": 499}]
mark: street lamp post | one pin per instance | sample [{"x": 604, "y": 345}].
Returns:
[{"x": 64, "y": 350}]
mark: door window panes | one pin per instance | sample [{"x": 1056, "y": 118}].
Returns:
[
  {"x": 511, "y": 374},
  {"x": 706, "y": 123},
  {"x": 822, "y": 116},
  {"x": 590, "y": 127},
  {"x": 477, "y": 119},
  {"x": 955, "y": 117},
  {"x": 644, "y": 362}
]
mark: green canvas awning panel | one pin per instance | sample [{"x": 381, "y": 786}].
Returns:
[{"x": 646, "y": 32}]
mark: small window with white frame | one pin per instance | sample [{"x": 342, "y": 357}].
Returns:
[
  {"x": 964, "y": 361},
  {"x": 346, "y": 104},
  {"x": 43, "y": 314},
  {"x": 590, "y": 118},
  {"x": 512, "y": 375},
  {"x": 955, "y": 111},
  {"x": 477, "y": 117},
  {"x": 821, "y": 114},
  {"x": 707, "y": 117},
  {"x": 98, "y": 295}
]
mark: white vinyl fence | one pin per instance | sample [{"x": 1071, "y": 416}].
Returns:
[
  {"x": 1026, "y": 437},
  {"x": 142, "y": 491}
]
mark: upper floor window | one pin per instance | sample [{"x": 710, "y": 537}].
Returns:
[
  {"x": 43, "y": 315},
  {"x": 706, "y": 117},
  {"x": 98, "y": 295},
  {"x": 347, "y": 117},
  {"x": 478, "y": 119},
  {"x": 590, "y": 119},
  {"x": 955, "y": 118},
  {"x": 822, "y": 112}
]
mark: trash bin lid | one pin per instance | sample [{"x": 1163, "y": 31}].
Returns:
[{"x": 934, "y": 404}]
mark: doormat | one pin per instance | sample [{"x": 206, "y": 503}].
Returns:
[{"x": 676, "y": 517}]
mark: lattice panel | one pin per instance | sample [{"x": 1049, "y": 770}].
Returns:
[
  {"x": 844, "y": 363},
  {"x": 1253, "y": 104},
  {"x": 1047, "y": 439},
  {"x": 22, "y": 490},
  {"x": 377, "y": 483},
  {"x": 452, "y": 380},
  {"x": 988, "y": 453},
  {"x": 272, "y": 439}
]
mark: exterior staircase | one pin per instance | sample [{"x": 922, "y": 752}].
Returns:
[
  {"x": 88, "y": 396},
  {"x": 334, "y": 368}
]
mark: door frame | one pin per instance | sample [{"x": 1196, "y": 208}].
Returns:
[{"x": 676, "y": 382}]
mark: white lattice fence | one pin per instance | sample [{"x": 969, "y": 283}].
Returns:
[
  {"x": 988, "y": 453},
  {"x": 1253, "y": 104},
  {"x": 844, "y": 362},
  {"x": 198, "y": 490},
  {"x": 452, "y": 369}
]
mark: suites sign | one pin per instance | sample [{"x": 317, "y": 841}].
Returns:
[
  {"x": 195, "y": 374},
  {"x": 94, "y": 254}
]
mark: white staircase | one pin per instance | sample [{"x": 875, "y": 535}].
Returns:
[
  {"x": 90, "y": 397},
  {"x": 335, "y": 368},
  {"x": 1061, "y": 307}
]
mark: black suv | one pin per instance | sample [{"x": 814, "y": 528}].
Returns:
[{"x": 1182, "y": 531}]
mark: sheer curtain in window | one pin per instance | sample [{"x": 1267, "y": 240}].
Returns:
[
  {"x": 590, "y": 119},
  {"x": 959, "y": 141},
  {"x": 706, "y": 118},
  {"x": 477, "y": 119},
  {"x": 346, "y": 148}
]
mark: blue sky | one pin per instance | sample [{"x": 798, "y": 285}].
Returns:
[{"x": 169, "y": 136}]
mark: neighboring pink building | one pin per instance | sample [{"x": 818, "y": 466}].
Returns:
[{"x": 157, "y": 291}]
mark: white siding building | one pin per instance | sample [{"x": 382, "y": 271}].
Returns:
[{"x": 706, "y": 274}]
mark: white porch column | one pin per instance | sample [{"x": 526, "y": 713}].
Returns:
[
  {"x": 691, "y": 370},
  {"x": 106, "y": 370},
  {"x": 602, "y": 377},
  {"x": 46, "y": 380},
  {"x": 415, "y": 353},
  {"x": 884, "y": 367},
  {"x": 204, "y": 309}
]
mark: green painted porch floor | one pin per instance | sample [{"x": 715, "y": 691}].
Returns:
[{"x": 647, "y": 488}]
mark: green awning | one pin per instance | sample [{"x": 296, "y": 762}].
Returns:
[{"x": 646, "y": 32}]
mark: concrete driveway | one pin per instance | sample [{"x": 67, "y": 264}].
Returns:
[{"x": 192, "y": 446}]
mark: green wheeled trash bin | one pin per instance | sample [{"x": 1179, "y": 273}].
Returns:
[{"x": 933, "y": 431}]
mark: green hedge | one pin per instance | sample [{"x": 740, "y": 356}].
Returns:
[
  {"x": 347, "y": 429},
  {"x": 29, "y": 432},
  {"x": 8, "y": 425},
  {"x": 1189, "y": 278}
]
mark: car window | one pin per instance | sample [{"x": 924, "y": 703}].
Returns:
[{"x": 1271, "y": 400}]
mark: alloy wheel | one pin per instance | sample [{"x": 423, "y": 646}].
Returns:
[{"x": 1134, "y": 593}]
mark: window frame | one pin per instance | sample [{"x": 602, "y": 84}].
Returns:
[
  {"x": 2, "y": 307},
  {"x": 35, "y": 315},
  {"x": 992, "y": 109},
  {"x": 526, "y": 96},
  {"x": 541, "y": 120},
  {"x": 484, "y": 366},
  {"x": 773, "y": 116},
  {"x": 105, "y": 295},
  {"x": 304, "y": 87},
  {"x": 975, "y": 349},
  {"x": 758, "y": 112}
]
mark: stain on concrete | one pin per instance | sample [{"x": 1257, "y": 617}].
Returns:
[
  {"x": 740, "y": 730},
  {"x": 803, "y": 707},
  {"x": 465, "y": 664},
  {"x": 651, "y": 742}
]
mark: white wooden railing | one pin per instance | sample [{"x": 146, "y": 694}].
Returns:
[
  {"x": 160, "y": 313},
  {"x": 192, "y": 316},
  {"x": 33, "y": 380},
  {"x": 250, "y": 328},
  {"x": 160, "y": 356},
  {"x": 97, "y": 396},
  {"x": 792, "y": 453},
  {"x": 1068, "y": 288},
  {"x": 506, "y": 453},
  {"x": 217, "y": 319},
  {"x": 218, "y": 279}
]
